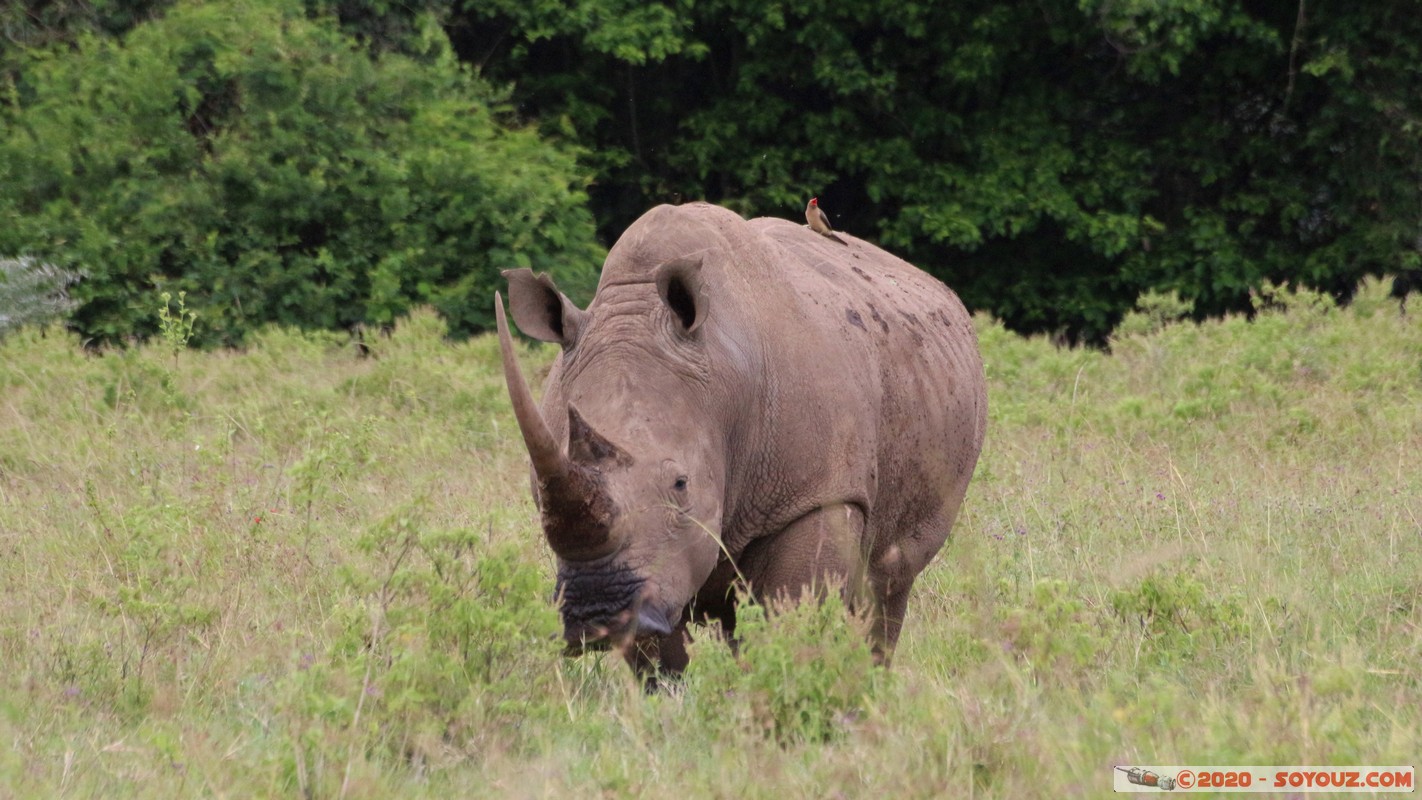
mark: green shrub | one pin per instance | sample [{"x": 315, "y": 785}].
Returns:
[
  {"x": 449, "y": 638},
  {"x": 268, "y": 166},
  {"x": 1054, "y": 632},
  {"x": 151, "y": 587},
  {"x": 800, "y": 674},
  {"x": 1177, "y": 614},
  {"x": 1154, "y": 310}
]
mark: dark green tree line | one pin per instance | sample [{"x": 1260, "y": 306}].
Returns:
[{"x": 1050, "y": 160}]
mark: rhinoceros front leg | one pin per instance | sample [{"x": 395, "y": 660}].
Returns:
[{"x": 826, "y": 549}]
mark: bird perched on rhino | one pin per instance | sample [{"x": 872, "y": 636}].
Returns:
[{"x": 819, "y": 221}]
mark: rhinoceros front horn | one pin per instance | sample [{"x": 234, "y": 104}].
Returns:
[
  {"x": 577, "y": 511},
  {"x": 548, "y": 459}
]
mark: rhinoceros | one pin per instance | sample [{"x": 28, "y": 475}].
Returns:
[{"x": 744, "y": 404}]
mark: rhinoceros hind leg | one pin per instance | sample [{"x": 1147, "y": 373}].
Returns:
[{"x": 888, "y": 620}]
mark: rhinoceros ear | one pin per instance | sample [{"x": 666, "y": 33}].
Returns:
[
  {"x": 680, "y": 286},
  {"x": 540, "y": 310}
]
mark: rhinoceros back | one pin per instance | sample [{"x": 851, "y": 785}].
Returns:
[
  {"x": 915, "y": 363},
  {"x": 861, "y": 373}
]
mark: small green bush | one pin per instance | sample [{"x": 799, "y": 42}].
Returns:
[
  {"x": 264, "y": 163},
  {"x": 1177, "y": 615},
  {"x": 1154, "y": 310},
  {"x": 449, "y": 637},
  {"x": 1054, "y": 632}
]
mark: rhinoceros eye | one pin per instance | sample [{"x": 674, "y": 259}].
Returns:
[{"x": 680, "y": 484}]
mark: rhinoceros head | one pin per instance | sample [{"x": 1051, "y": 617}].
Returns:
[{"x": 628, "y": 461}]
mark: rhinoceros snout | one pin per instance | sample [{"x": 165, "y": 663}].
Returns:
[
  {"x": 652, "y": 622},
  {"x": 622, "y": 628},
  {"x": 604, "y": 604}
]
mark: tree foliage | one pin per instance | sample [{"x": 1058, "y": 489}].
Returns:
[
  {"x": 1050, "y": 160},
  {"x": 265, "y": 163}
]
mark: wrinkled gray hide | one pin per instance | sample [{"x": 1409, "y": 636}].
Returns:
[{"x": 744, "y": 396}]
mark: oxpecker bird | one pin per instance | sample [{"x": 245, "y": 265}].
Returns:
[{"x": 819, "y": 220}]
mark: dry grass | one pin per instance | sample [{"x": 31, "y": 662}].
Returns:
[{"x": 294, "y": 571}]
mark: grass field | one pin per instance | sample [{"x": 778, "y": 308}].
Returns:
[{"x": 294, "y": 571}]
